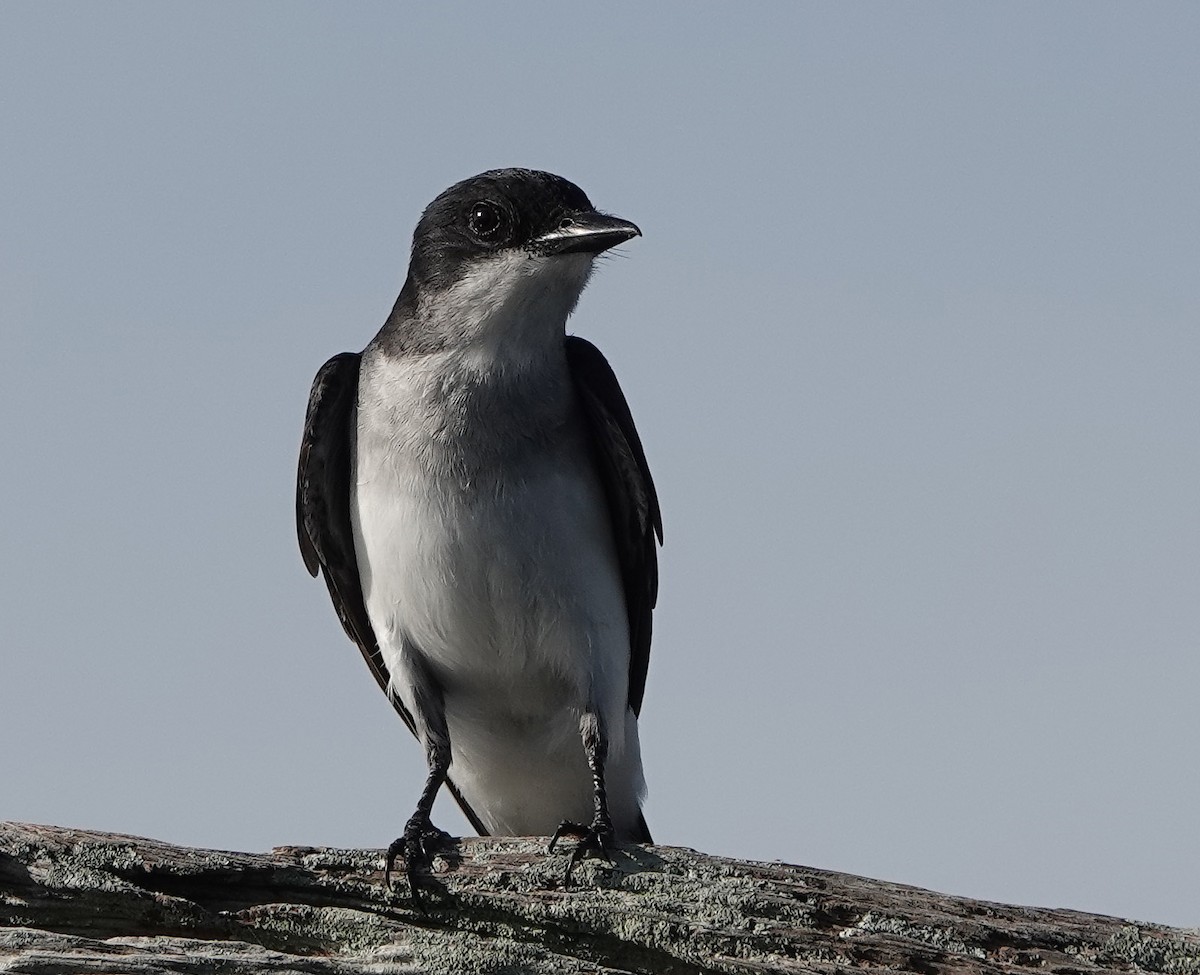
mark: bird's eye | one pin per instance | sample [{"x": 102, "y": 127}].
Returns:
[{"x": 486, "y": 222}]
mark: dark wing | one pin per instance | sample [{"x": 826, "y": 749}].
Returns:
[
  {"x": 323, "y": 503},
  {"x": 323, "y": 517},
  {"x": 632, "y": 502}
]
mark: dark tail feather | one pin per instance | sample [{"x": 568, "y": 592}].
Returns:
[{"x": 641, "y": 832}]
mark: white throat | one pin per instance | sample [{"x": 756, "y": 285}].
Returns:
[{"x": 510, "y": 304}]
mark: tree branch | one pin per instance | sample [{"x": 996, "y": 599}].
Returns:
[{"x": 77, "y": 901}]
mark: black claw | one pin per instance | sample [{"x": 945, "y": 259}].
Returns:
[
  {"x": 596, "y": 838},
  {"x": 418, "y": 844}
]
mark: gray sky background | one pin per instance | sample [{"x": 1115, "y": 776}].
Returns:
[{"x": 912, "y": 340}]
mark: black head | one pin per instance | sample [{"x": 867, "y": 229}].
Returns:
[{"x": 507, "y": 210}]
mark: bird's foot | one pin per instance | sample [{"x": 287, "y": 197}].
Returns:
[
  {"x": 417, "y": 844},
  {"x": 597, "y": 838}
]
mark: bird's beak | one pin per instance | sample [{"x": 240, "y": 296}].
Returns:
[{"x": 586, "y": 232}]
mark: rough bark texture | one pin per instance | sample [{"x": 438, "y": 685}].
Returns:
[{"x": 75, "y": 901}]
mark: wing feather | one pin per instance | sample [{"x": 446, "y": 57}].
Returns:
[
  {"x": 323, "y": 518},
  {"x": 632, "y": 500}
]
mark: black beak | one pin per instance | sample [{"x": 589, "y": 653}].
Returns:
[{"x": 586, "y": 232}]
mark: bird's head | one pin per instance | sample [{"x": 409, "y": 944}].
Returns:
[{"x": 506, "y": 247}]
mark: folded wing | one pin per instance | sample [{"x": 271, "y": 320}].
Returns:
[
  {"x": 632, "y": 501},
  {"x": 323, "y": 518}
]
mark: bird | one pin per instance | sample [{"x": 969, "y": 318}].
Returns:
[{"x": 477, "y": 498}]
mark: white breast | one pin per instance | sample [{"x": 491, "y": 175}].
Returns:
[{"x": 483, "y": 541}]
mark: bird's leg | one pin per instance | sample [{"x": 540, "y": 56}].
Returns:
[
  {"x": 421, "y": 839},
  {"x": 598, "y": 837}
]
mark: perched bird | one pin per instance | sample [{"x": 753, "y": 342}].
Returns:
[{"x": 474, "y": 491}]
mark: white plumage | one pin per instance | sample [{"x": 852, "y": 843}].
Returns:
[{"x": 486, "y": 552}]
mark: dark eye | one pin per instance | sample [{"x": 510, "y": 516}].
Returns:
[{"x": 486, "y": 221}]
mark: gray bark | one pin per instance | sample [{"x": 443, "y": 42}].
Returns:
[{"x": 76, "y": 901}]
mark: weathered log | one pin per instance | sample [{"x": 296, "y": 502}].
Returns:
[{"x": 76, "y": 901}]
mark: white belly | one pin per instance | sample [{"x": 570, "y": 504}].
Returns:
[{"x": 507, "y": 585}]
